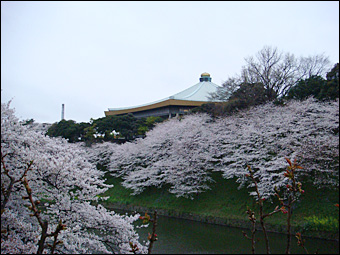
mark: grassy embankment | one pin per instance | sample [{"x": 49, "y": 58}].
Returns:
[{"x": 315, "y": 214}]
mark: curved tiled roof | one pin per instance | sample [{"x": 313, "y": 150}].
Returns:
[{"x": 199, "y": 92}]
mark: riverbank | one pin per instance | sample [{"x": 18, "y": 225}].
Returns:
[
  {"x": 244, "y": 224},
  {"x": 314, "y": 215},
  {"x": 180, "y": 236}
]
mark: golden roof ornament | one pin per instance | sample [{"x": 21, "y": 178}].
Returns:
[{"x": 205, "y": 74}]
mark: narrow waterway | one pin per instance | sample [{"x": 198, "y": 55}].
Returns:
[{"x": 178, "y": 236}]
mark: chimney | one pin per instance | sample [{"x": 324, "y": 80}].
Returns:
[{"x": 62, "y": 111}]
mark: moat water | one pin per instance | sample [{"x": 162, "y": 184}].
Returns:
[{"x": 178, "y": 236}]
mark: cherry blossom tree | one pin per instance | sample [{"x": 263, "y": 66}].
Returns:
[
  {"x": 64, "y": 186},
  {"x": 263, "y": 136},
  {"x": 176, "y": 153},
  {"x": 183, "y": 152}
]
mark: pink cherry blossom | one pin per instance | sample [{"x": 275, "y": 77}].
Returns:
[{"x": 68, "y": 186}]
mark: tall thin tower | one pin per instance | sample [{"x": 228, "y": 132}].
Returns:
[{"x": 62, "y": 112}]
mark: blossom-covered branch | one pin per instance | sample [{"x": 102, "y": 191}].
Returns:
[{"x": 67, "y": 185}]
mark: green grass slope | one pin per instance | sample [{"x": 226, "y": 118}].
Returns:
[{"x": 315, "y": 214}]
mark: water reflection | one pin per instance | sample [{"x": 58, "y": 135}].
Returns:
[{"x": 178, "y": 236}]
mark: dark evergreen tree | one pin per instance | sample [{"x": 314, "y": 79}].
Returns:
[
  {"x": 317, "y": 87},
  {"x": 68, "y": 129},
  {"x": 331, "y": 90},
  {"x": 306, "y": 88}
]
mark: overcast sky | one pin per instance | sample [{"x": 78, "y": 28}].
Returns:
[{"x": 92, "y": 56}]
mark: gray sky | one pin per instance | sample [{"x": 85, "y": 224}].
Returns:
[{"x": 92, "y": 56}]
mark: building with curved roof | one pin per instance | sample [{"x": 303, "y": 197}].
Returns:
[{"x": 176, "y": 104}]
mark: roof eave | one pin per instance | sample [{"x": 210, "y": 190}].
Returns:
[{"x": 164, "y": 103}]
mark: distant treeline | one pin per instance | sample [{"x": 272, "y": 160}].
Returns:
[
  {"x": 269, "y": 76},
  {"x": 111, "y": 128}
]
